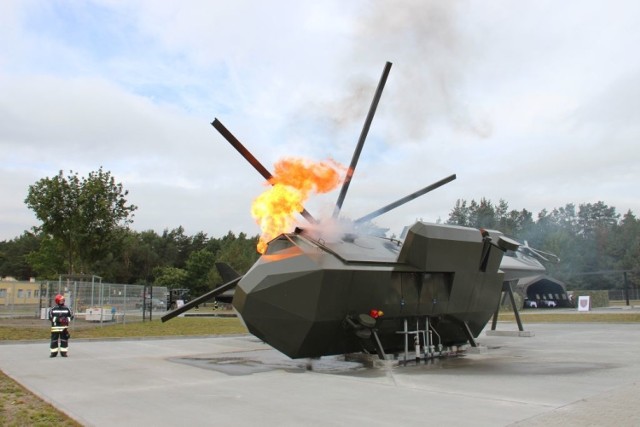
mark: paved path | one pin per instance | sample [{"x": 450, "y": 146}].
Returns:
[{"x": 566, "y": 374}]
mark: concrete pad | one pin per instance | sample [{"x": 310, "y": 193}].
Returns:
[
  {"x": 565, "y": 375},
  {"x": 511, "y": 333}
]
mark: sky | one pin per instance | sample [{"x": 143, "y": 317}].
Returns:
[{"x": 533, "y": 102}]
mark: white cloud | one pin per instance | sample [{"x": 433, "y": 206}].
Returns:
[{"x": 535, "y": 102}]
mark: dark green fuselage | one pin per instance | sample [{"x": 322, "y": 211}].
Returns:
[{"x": 297, "y": 296}]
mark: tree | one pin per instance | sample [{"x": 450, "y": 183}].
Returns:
[
  {"x": 459, "y": 215},
  {"x": 48, "y": 260},
  {"x": 484, "y": 214},
  {"x": 199, "y": 266},
  {"x": 624, "y": 246},
  {"x": 171, "y": 277},
  {"x": 14, "y": 256},
  {"x": 239, "y": 253},
  {"x": 596, "y": 223},
  {"x": 625, "y": 243},
  {"x": 82, "y": 214},
  {"x": 594, "y": 218}
]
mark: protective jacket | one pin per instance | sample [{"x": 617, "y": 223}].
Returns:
[{"x": 60, "y": 316}]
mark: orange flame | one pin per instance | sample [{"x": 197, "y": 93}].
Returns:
[{"x": 293, "y": 181}]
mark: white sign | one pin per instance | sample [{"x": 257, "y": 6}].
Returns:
[
  {"x": 180, "y": 303},
  {"x": 584, "y": 303}
]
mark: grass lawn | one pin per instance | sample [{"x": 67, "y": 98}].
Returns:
[
  {"x": 549, "y": 315},
  {"x": 20, "y": 407},
  {"x": 30, "y": 329}
]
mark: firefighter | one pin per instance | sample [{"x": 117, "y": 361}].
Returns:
[{"x": 59, "y": 315}]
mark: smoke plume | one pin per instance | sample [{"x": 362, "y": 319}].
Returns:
[{"x": 432, "y": 57}]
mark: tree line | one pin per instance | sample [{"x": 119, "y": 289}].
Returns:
[
  {"x": 595, "y": 244},
  {"x": 85, "y": 229},
  {"x": 171, "y": 259}
]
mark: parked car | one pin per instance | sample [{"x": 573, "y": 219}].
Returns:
[{"x": 155, "y": 303}]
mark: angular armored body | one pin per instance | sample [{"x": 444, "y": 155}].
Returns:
[{"x": 308, "y": 297}]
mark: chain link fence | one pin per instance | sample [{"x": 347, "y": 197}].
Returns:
[
  {"x": 89, "y": 298},
  {"x": 623, "y": 294}
]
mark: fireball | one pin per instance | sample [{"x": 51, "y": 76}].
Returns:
[{"x": 292, "y": 183}]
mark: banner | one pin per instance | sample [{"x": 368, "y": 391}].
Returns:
[{"x": 584, "y": 303}]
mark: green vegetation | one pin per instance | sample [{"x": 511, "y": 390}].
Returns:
[
  {"x": 82, "y": 218},
  {"x": 546, "y": 316},
  {"x": 181, "y": 326},
  {"x": 21, "y": 408},
  {"x": 172, "y": 259},
  {"x": 591, "y": 240}
]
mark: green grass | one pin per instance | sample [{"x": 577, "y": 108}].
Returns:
[
  {"x": 541, "y": 316},
  {"x": 18, "y": 333},
  {"x": 617, "y": 303},
  {"x": 19, "y": 407},
  {"x": 182, "y": 326}
]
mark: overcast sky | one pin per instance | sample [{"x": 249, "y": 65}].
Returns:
[{"x": 534, "y": 102}]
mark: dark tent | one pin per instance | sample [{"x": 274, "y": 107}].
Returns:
[{"x": 543, "y": 291}]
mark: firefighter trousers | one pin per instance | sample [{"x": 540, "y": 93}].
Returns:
[{"x": 59, "y": 342}]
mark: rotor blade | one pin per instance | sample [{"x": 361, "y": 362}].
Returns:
[
  {"x": 542, "y": 254},
  {"x": 406, "y": 199},
  {"x": 363, "y": 136},
  {"x": 252, "y": 160},
  {"x": 201, "y": 299},
  {"x": 226, "y": 271}
]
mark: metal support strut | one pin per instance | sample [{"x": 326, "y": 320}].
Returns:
[
  {"x": 507, "y": 290},
  {"x": 423, "y": 343}
]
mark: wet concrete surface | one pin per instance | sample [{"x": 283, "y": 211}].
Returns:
[{"x": 565, "y": 374}]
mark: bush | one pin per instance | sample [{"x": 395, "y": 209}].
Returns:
[{"x": 598, "y": 298}]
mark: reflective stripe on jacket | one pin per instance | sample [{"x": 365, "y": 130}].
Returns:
[{"x": 60, "y": 316}]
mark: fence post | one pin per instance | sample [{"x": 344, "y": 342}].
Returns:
[
  {"x": 124, "y": 306},
  {"x": 626, "y": 287}
]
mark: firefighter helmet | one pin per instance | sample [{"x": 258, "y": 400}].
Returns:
[{"x": 59, "y": 299}]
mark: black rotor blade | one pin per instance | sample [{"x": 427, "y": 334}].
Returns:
[
  {"x": 405, "y": 199},
  {"x": 201, "y": 299},
  {"x": 363, "y": 137},
  {"x": 226, "y": 271},
  {"x": 252, "y": 160}
]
